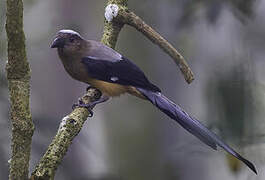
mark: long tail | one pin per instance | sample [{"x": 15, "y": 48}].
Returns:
[{"x": 190, "y": 124}]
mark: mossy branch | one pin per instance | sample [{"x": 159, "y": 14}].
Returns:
[
  {"x": 70, "y": 127},
  {"x": 18, "y": 76}
]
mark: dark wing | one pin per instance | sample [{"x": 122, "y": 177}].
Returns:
[{"x": 122, "y": 72}]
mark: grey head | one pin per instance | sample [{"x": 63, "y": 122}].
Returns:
[{"x": 68, "y": 41}]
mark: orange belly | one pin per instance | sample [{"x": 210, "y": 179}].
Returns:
[
  {"x": 112, "y": 90},
  {"x": 109, "y": 89}
]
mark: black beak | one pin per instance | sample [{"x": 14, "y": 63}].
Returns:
[{"x": 57, "y": 43}]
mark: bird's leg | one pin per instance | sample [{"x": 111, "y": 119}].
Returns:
[
  {"x": 94, "y": 103},
  {"x": 89, "y": 106},
  {"x": 82, "y": 104}
]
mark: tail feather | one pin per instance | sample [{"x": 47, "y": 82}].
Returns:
[{"x": 190, "y": 124}]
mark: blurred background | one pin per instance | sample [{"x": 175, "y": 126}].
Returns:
[{"x": 128, "y": 139}]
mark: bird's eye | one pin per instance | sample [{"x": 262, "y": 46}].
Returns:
[{"x": 72, "y": 39}]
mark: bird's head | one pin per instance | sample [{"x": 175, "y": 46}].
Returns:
[{"x": 68, "y": 41}]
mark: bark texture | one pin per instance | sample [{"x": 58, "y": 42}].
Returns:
[{"x": 18, "y": 76}]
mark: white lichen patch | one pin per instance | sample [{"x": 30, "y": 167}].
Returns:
[
  {"x": 111, "y": 11},
  {"x": 63, "y": 123}
]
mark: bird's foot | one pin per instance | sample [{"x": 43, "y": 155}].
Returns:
[
  {"x": 90, "y": 105},
  {"x": 82, "y": 104}
]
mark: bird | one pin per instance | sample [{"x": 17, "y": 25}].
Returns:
[{"x": 102, "y": 67}]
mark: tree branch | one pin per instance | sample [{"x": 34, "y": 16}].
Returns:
[
  {"x": 18, "y": 76},
  {"x": 128, "y": 17},
  {"x": 70, "y": 127},
  {"x": 112, "y": 29}
]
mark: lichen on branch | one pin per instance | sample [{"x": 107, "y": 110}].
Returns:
[
  {"x": 18, "y": 76},
  {"x": 69, "y": 128}
]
